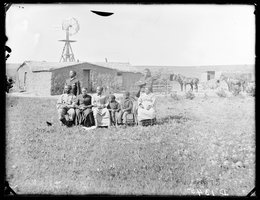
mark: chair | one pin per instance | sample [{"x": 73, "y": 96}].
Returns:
[
  {"x": 131, "y": 118},
  {"x": 148, "y": 122}
]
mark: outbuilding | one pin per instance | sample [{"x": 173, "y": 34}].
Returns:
[{"x": 208, "y": 75}]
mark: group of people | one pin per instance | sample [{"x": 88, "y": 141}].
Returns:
[{"x": 76, "y": 107}]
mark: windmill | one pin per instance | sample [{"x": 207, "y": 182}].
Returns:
[{"x": 71, "y": 26}]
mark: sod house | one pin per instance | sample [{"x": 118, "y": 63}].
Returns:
[{"x": 48, "y": 78}]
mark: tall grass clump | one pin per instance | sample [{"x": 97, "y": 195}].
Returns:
[
  {"x": 250, "y": 90},
  {"x": 174, "y": 96},
  {"x": 189, "y": 95},
  {"x": 236, "y": 90}
]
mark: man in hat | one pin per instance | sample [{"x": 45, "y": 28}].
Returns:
[{"x": 74, "y": 83}]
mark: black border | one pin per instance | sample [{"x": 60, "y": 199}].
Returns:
[{"x": 3, "y": 94}]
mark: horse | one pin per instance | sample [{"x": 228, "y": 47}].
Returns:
[
  {"x": 186, "y": 80},
  {"x": 233, "y": 83}
]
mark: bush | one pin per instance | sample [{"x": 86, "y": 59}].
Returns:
[
  {"x": 250, "y": 89},
  {"x": 58, "y": 82},
  {"x": 189, "y": 95},
  {"x": 108, "y": 81},
  {"x": 221, "y": 93},
  {"x": 236, "y": 90},
  {"x": 174, "y": 96},
  {"x": 251, "y": 93}
]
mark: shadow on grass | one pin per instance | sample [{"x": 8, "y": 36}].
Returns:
[{"x": 177, "y": 118}]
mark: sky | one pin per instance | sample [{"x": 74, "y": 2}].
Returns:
[{"x": 172, "y": 35}]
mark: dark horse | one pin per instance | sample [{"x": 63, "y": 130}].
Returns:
[{"x": 186, "y": 80}]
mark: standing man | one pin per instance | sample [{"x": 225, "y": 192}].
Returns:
[
  {"x": 74, "y": 83},
  {"x": 65, "y": 106},
  {"x": 146, "y": 81}
]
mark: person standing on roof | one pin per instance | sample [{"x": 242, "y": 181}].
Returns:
[{"x": 74, "y": 83}]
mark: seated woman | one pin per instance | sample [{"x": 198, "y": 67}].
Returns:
[
  {"x": 146, "y": 108},
  {"x": 84, "y": 114},
  {"x": 100, "y": 111}
]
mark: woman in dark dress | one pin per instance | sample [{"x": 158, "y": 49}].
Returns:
[{"x": 84, "y": 114}]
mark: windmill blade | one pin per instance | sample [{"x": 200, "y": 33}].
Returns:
[{"x": 101, "y": 13}]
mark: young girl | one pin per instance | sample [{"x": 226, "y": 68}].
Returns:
[{"x": 114, "y": 108}]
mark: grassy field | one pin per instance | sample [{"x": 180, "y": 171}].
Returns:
[{"x": 204, "y": 146}]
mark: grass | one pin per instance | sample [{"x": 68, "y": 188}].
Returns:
[{"x": 198, "y": 145}]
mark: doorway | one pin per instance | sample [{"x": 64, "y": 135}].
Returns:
[
  {"x": 86, "y": 79},
  {"x": 24, "y": 81}
]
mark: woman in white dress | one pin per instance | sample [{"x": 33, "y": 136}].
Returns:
[
  {"x": 146, "y": 107},
  {"x": 100, "y": 111}
]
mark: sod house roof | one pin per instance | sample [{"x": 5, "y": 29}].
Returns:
[
  {"x": 39, "y": 66},
  {"x": 120, "y": 66},
  {"x": 43, "y": 66}
]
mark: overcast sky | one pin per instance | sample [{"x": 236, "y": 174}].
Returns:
[{"x": 176, "y": 35}]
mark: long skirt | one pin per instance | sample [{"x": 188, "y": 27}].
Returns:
[
  {"x": 102, "y": 116},
  {"x": 143, "y": 114},
  {"x": 84, "y": 117}
]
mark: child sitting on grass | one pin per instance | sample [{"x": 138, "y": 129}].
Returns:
[{"x": 113, "y": 107}]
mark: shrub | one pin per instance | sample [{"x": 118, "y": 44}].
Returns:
[
  {"x": 174, "y": 96},
  {"x": 108, "y": 81},
  {"x": 58, "y": 81},
  {"x": 189, "y": 95},
  {"x": 221, "y": 93},
  {"x": 250, "y": 89},
  {"x": 236, "y": 90}
]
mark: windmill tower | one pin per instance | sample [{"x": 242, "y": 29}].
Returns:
[{"x": 71, "y": 26}]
